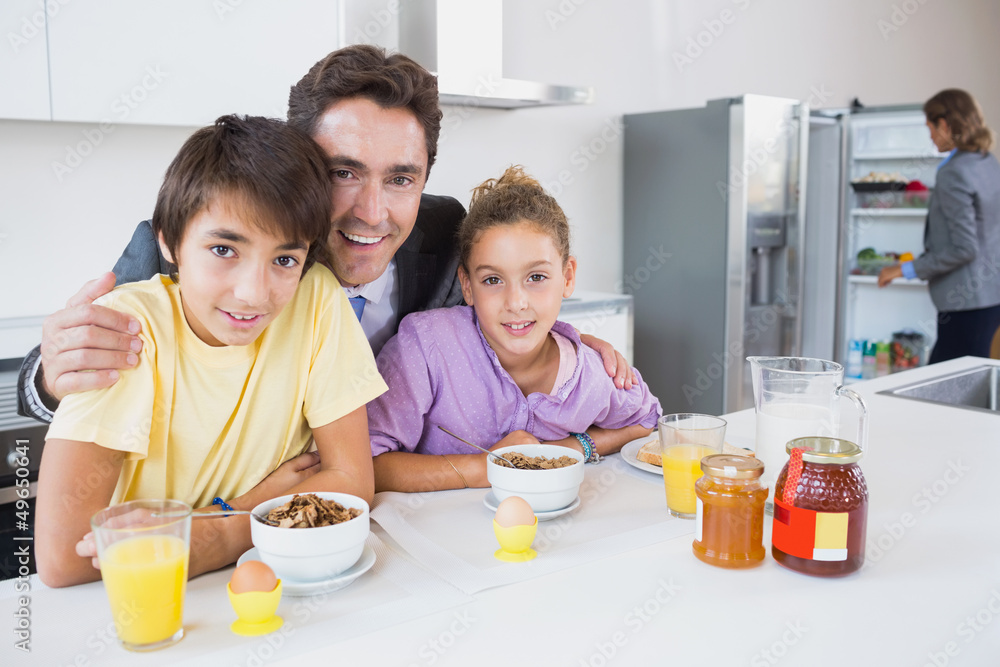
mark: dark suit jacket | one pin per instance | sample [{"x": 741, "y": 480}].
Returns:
[{"x": 426, "y": 267}]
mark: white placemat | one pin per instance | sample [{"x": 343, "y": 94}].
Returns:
[
  {"x": 72, "y": 626},
  {"x": 451, "y": 532}
]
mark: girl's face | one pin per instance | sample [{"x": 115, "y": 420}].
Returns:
[{"x": 516, "y": 281}]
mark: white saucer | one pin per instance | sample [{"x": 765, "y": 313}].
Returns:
[
  {"x": 490, "y": 501},
  {"x": 304, "y": 588}
]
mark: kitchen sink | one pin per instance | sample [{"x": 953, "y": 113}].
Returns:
[{"x": 972, "y": 389}]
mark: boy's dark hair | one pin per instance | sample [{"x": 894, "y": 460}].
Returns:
[
  {"x": 276, "y": 175},
  {"x": 362, "y": 70}
]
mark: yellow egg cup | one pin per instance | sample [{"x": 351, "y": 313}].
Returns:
[
  {"x": 515, "y": 542},
  {"x": 255, "y": 610}
]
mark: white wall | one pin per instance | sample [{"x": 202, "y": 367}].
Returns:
[{"x": 56, "y": 233}]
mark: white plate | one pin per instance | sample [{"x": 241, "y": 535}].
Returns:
[
  {"x": 630, "y": 452},
  {"x": 490, "y": 501},
  {"x": 303, "y": 588}
]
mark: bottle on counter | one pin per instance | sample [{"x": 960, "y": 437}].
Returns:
[
  {"x": 868, "y": 360},
  {"x": 729, "y": 531},
  {"x": 820, "y": 508},
  {"x": 855, "y": 355},
  {"x": 882, "y": 360}
]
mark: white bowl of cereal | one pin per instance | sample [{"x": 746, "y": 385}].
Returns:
[
  {"x": 551, "y": 488},
  {"x": 309, "y": 552}
]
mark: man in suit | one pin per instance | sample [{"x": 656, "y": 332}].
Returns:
[{"x": 377, "y": 117}]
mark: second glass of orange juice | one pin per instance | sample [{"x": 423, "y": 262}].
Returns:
[{"x": 685, "y": 439}]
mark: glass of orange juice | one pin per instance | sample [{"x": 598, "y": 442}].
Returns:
[
  {"x": 143, "y": 548},
  {"x": 685, "y": 439}
]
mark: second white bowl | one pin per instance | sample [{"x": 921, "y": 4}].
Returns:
[{"x": 544, "y": 490}]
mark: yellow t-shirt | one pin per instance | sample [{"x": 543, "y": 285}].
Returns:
[{"x": 199, "y": 421}]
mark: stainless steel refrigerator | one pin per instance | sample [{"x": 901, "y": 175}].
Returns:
[{"x": 714, "y": 250}]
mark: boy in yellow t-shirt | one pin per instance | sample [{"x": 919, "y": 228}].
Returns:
[{"x": 251, "y": 349}]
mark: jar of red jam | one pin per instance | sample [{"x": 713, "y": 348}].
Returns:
[
  {"x": 820, "y": 522},
  {"x": 729, "y": 531}
]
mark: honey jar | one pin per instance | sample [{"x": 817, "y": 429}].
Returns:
[
  {"x": 820, "y": 508},
  {"x": 729, "y": 530}
]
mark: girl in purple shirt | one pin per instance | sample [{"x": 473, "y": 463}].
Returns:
[{"x": 500, "y": 371}]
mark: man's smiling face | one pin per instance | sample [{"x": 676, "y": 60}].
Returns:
[{"x": 378, "y": 165}]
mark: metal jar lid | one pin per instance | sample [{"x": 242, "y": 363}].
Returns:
[
  {"x": 732, "y": 466},
  {"x": 823, "y": 450}
]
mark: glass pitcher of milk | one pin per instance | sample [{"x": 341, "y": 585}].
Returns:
[{"x": 796, "y": 397}]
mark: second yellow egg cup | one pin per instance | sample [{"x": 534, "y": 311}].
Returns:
[
  {"x": 515, "y": 542},
  {"x": 255, "y": 610}
]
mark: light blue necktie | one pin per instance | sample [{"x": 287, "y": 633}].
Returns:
[{"x": 358, "y": 304}]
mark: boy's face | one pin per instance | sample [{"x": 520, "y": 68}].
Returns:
[
  {"x": 378, "y": 167},
  {"x": 234, "y": 278},
  {"x": 516, "y": 282}
]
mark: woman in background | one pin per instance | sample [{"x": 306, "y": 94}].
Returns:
[{"x": 961, "y": 259}]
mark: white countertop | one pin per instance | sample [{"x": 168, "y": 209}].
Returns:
[{"x": 929, "y": 593}]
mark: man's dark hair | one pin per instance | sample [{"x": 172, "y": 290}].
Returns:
[{"x": 362, "y": 70}]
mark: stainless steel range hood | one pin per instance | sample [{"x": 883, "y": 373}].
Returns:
[{"x": 462, "y": 42}]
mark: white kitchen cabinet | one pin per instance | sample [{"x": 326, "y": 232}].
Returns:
[
  {"x": 183, "y": 62},
  {"x": 24, "y": 76},
  {"x": 606, "y": 316},
  {"x": 890, "y": 141}
]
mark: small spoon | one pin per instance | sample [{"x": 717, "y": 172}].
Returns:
[
  {"x": 210, "y": 515},
  {"x": 502, "y": 461}
]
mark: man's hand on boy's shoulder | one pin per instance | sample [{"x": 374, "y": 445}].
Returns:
[
  {"x": 614, "y": 362},
  {"x": 84, "y": 345}
]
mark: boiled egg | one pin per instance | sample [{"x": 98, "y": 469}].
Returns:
[
  {"x": 253, "y": 576},
  {"x": 514, "y": 511}
]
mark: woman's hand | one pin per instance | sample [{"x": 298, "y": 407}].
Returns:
[{"x": 888, "y": 274}]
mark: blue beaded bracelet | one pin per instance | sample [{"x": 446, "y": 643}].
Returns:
[
  {"x": 225, "y": 506},
  {"x": 590, "y": 454}
]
